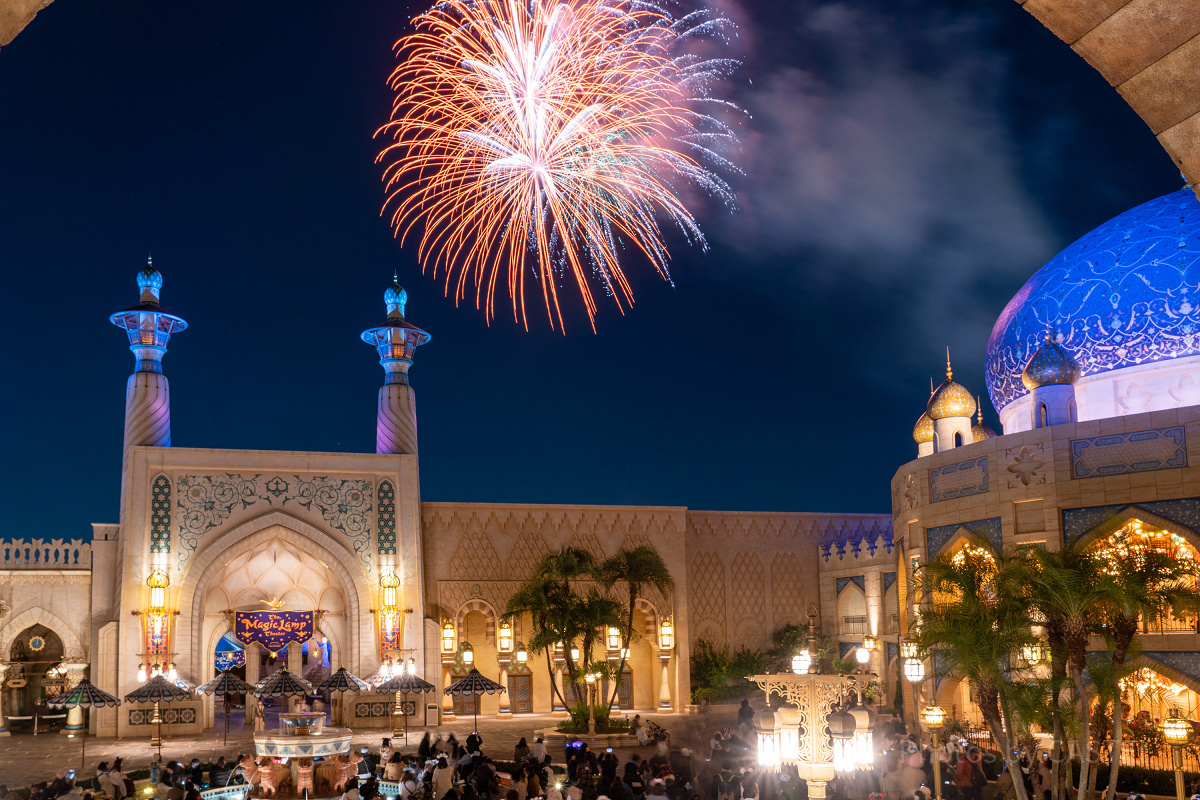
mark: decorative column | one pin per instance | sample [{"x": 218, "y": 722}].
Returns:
[
  {"x": 447, "y": 700},
  {"x": 395, "y": 340},
  {"x": 557, "y": 698},
  {"x": 811, "y": 750},
  {"x": 664, "y": 689},
  {"x": 505, "y": 703},
  {"x": 147, "y": 396},
  {"x": 4, "y": 731},
  {"x": 75, "y": 672},
  {"x": 253, "y": 663}
]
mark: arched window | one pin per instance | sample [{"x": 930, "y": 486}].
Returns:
[
  {"x": 958, "y": 439},
  {"x": 1043, "y": 420}
]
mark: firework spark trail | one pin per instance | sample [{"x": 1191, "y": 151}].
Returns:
[{"x": 542, "y": 138}]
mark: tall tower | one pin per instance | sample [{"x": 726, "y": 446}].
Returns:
[
  {"x": 1050, "y": 377},
  {"x": 950, "y": 408},
  {"x": 395, "y": 340},
  {"x": 147, "y": 397}
]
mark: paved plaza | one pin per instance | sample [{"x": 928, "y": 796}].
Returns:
[{"x": 26, "y": 759}]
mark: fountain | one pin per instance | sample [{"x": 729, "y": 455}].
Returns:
[{"x": 300, "y": 738}]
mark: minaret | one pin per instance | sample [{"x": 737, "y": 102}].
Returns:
[
  {"x": 147, "y": 398},
  {"x": 395, "y": 340},
  {"x": 1050, "y": 377},
  {"x": 951, "y": 408}
]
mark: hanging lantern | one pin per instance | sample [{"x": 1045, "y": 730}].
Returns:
[
  {"x": 864, "y": 743},
  {"x": 908, "y": 650},
  {"x": 390, "y": 615},
  {"x": 914, "y": 670},
  {"x": 841, "y": 728},
  {"x": 504, "y": 637},
  {"x": 869, "y": 642},
  {"x": 766, "y": 724},
  {"x": 522, "y": 655},
  {"x": 789, "y": 735},
  {"x": 614, "y": 638},
  {"x": 1032, "y": 653},
  {"x": 468, "y": 654},
  {"x": 666, "y": 635},
  {"x": 448, "y": 638}
]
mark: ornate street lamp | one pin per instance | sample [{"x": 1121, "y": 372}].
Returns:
[
  {"x": 1179, "y": 734},
  {"x": 504, "y": 637},
  {"x": 766, "y": 725},
  {"x": 864, "y": 744},
  {"x": 802, "y": 662},
  {"x": 590, "y": 679},
  {"x": 863, "y": 655},
  {"x": 666, "y": 635},
  {"x": 448, "y": 637},
  {"x": 934, "y": 718},
  {"x": 914, "y": 670}
]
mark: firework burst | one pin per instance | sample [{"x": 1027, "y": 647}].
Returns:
[{"x": 542, "y": 140}]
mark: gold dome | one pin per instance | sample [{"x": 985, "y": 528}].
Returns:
[
  {"x": 981, "y": 431},
  {"x": 923, "y": 430},
  {"x": 1051, "y": 365},
  {"x": 951, "y": 399}
]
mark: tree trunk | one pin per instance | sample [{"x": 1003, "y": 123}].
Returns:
[
  {"x": 989, "y": 705},
  {"x": 1084, "y": 742},
  {"x": 553, "y": 683},
  {"x": 625, "y": 649},
  {"x": 1013, "y": 761},
  {"x": 1124, "y": 629}
]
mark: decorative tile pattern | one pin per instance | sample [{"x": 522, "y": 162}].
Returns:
[
  {"x": 526, "y": 553},
  {"x": 169, "y": 716},
  {"x": 889, "y": 580},
  {"x": 1078, "y": 522},
  {"x": 207, "y": 501},
  {"x": 706, "y": 585},
  {"x": 387, "y": 518},
  {"x": 989, "y": 529},
  {"x": 1118, "y": 296},
  {"x": 892, "y": 650},
  {"x": 160, "y": 515},
  {"x": 854, "y": 533},
  {"x": 1026, "y": 465},
  {"x": 1136, "y": 451},
  {"x": 958, "y": 480},
  {"x": 474, "y": 558},
  {"x": 375, "y": 709},
  {"x": 844, "y": 648},
  {"x": 858, "y": 580},
  {"x": 1186, "y": 662}
]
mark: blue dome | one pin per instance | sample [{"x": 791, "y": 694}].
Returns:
[
  {"x": 1116, "y": 297},
  {"x": 149, "y": 278}
]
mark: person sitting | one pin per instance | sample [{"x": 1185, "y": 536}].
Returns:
[
  {"x": 443, "y": 777},
  {"x": 369, "y": 790},
  {"x": 351, "y": 791},
  {"x": 521, "y": 751},
  {"x": 409, "y": 788},
  {"x": 394, "y": 769},
  {"x": 636, "y": 728}
]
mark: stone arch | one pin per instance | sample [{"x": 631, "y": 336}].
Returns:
[
  {"x": 305, "y": 538},
  {"x": 1124, "y": 516},
  {"x": 1143, "y": 660},
  {"x": 652, "y": 619},
  {"x": 485, "y": 608},
  {"x": 961, "y": 538},
  {"x": 72, "y": 647}
]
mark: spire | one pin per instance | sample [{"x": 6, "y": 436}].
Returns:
[
  {"x": 979, "y": 404},
  {"x": 394, "y": 341},
  {"x": 949, "y": 373}
]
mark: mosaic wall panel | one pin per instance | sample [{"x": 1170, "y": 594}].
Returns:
[
  {"x": 207, "y": 501},
  {"x": 958, "y": 480},
  {"x": 379, "y": 708},
  {"x": 1077, "y": 522},
  {"x": 1186, "y": 662},
  {"x": 858, "y": 580},
  {"x": 749, "y": 599},
  {"x": 706, "y": 585},
  {"x": 989, "y": 529},
  {"x": 387, "y": 519},
  {"x": 892, "y": 650},
  {"x": 787, "y": 592},
  {"x": 1135, "y": 451},
  {"x": 169, "y": 716},
  {"x": 844, "y": 648},
  {"x": 889, "y": 580},
  {"x": 160, "y": 515}
]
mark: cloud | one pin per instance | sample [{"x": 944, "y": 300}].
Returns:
[{"x": 881, "y": 157}]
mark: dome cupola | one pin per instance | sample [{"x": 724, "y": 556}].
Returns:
[
  {"x": 923, "y": 430},
  {"x": 1050, "y": 365},
  {"x": 981, "y": 431},
  {"x": 951, "y": 399}
]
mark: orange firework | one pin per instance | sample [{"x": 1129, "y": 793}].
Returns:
[{"x": 538, "y": 138}]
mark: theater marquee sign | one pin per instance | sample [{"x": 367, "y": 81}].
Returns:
[{"x": 274, "y": 630}]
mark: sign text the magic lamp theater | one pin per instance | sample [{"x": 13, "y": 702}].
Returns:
[{"x": 274, "y": 630}]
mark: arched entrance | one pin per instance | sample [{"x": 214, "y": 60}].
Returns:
[
  {"x": 277, "y": 562},
  {"x": 33, "y": 652}
]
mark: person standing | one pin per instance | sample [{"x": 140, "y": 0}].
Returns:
[{"x": 726, "y": 785}]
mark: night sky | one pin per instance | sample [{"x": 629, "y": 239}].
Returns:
[{"x": 906, "y": 167}]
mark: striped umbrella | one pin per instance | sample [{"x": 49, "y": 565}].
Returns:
[
  {"x": 341, "y": 682},
  {"x": 225, "y": 684},
  {"x": 474, "y": 684},
  {"x": 185, "y": 684},
  {"x": 282, "y": 683},
  {"x": 158, "y": 689},
  {"x": 83, "y": 695},
  {"x": 404, "y": 683}
]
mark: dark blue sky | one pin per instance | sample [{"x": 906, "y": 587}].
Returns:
[{"x": 907, "y": 167}]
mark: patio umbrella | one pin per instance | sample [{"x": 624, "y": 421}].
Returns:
[
  {"x": 341, "y": 682},
  {"x": 474, "y": 684},
  {"x": 83, "y": 695},
  {"x": 282, "y": 683},
  {"x": 225, "y": 684},
  {"x": 403, "y": 684},
  {"x": 158, "y": 689}
]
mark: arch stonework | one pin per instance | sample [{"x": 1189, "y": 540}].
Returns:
[
  {"x": 72, "y": 647},
  {"x": 305, "y": 538},
  {"x": 483, "y": 607},
  {"x": 1125, "y": 515}
]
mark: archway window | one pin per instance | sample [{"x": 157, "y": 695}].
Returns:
[
  {"x": 1148, "y": 692},
  {"x": 1043, "y": 417},
  {"x": 1136, "y": 537},
  {"x": 958, "y": 439}
]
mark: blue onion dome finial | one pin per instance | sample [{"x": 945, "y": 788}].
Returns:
[
  {"x": 981, "y": 431},
  {"x": 1050, "y": 365},
  {"x": 396, "y": 298},
  {"x": 951, "y": 399},
  {"x": 149, "y": 281}
]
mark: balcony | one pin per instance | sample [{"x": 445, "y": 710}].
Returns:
[
  {"x": 855, "y": 625},
  {"x": 1170, "y": 624}
]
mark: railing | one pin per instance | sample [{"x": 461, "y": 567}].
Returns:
[
  {"x": 40, "y": 554},
  {"x": 1169, "y": 624},
  {"x": 891, "y": 623},
  {"x": 854, "y": 625}
]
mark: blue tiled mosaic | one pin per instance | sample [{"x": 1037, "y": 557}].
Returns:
[
  {"x": 892, "y": 650},
  {"x": 858, "y": 580},
  {"x": 988, "y": 529},
  {"x": 1187, "y": 662},
  {"x": 963, "y": 479},
  {"x": 869, "y": 532},
  {"x": 889, "y": 580},
  {"x": 1135, "y": 451},
  {"x": 844, "y": 648},
  {"x": 1077, "y": 522}
]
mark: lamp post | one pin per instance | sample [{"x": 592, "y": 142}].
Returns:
[
  {"x": 841, "y": 728},
  {"x": 935, "y": 718},
  {"x": 914, "y": 673},
  {"x": 1178, "y": 733},
  {"x": 590, "y": 678}
]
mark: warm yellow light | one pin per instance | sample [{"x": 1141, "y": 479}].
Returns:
[
  {"x": 666, "y": 635},
  {"x": 590, "y": 677},
  {"x": 802, "y": 662},
  {"x": 908, "y": 650},
  {"x": 625, "y": 653},
  {"x": 868, "y": 643},
  {"x": 914, "y": 670},
  {"x": 504, "y": 637},
  {"x": 614, "y": 638},
  {"x": 1175, "y": 730},
  {"x": 1031, "y": 653},
  {"x": 141, "y": 676},
  {"x": 574, "y": 653},
  {"x": 522, "y": 655},
  {"x": 468, "y": 654},
  {"x": 448, "y": 638},
  {"x": 863, "y": 655},
  {"x": 933, "y": 717}
]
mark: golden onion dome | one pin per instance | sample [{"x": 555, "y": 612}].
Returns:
[
  {"x": 1051, "y": 365},
  {"x": 923, "y": 430},
  {"x": 951, "y": 399},
  {"x": 981, "y": 431}
]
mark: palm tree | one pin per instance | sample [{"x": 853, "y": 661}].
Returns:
[
  {"x": 544, "y": 601},
  {"x": 975, "y": 622},
  {"x": 640, "y": 568},
  {"x": 1068, "y": 587},
  {"x": 594, "y": 612},
  {"x": 1149, "y": 582}
]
